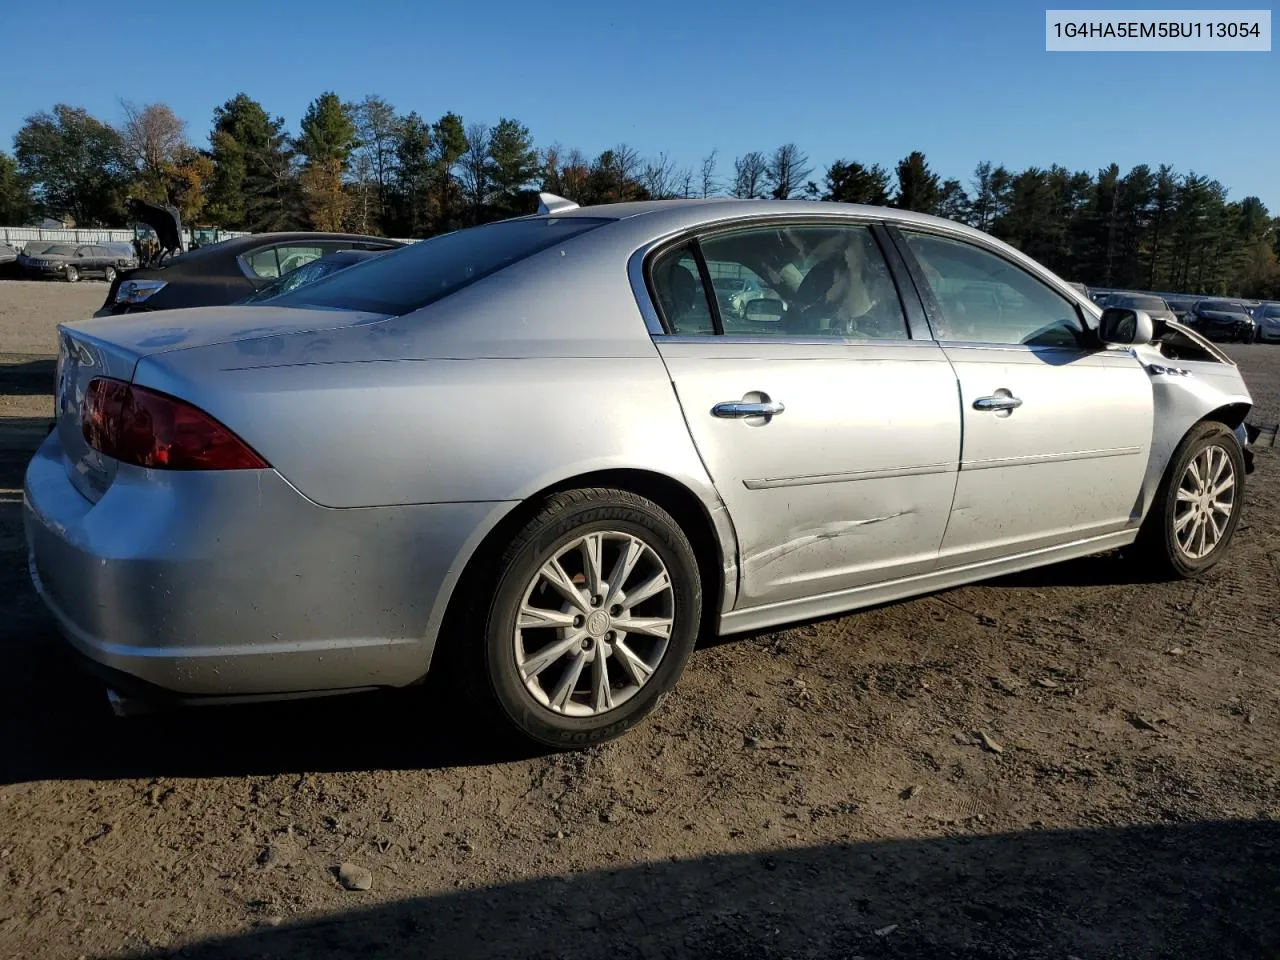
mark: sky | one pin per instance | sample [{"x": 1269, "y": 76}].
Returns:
[{"x": 844, "y": 80}]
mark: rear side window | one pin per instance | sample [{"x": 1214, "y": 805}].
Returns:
[
  {"x": 405, "y": 280},
  {"x": 263, "y": 263}
]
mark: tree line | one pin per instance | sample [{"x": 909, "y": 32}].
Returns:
[{"x": 367, "y": 168}]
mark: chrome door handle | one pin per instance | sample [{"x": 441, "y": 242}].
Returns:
[
  {"x": 997, "y": 403},
  {"x": 740, "y": 409}
]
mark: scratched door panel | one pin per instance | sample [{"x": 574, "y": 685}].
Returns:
[{"x": 852, "y": 483}]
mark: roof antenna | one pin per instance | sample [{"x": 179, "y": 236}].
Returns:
[{"x": 550, "y": 203}]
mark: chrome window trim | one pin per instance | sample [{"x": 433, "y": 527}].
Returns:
[{"x": 694, "y": 338}]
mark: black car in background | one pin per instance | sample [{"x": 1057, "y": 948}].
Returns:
[
  {"x": 1222, "y": 320},
  {"x": 1155, "y": 306},
  {"x": 226, "y": 271},
  {"x": 9, "y": 266},
  {"x": 71, "y": 261}
]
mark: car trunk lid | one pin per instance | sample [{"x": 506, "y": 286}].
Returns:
[{"x": 112, "y": 347}]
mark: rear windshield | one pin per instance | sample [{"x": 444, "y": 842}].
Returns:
[{"x": 405, "y": 280}]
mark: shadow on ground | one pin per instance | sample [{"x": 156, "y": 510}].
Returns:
[
  {"x": 68, "y": 731},
  {"x": 1189, "y": 890},
  {"x": 19, "y": 438},
  {"x": 27, "y": 377}
]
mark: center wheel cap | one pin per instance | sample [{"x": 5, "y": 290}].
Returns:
[{"x": 598, "y": 623}]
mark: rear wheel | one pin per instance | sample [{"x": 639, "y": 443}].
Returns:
[
  {"x": 595, "y": 612},
  {"x": 1198, "y": 505},
  {"x": 72, "y": 274}
]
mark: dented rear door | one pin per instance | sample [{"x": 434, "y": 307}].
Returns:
[{"x": 851, "y": 483}]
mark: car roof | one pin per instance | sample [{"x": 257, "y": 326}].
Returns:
[
  {"x": 701, "y": 209},
  {"x": 265, "y": 239}
]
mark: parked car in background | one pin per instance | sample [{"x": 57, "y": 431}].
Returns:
[
  {"x": 1155, "y": 306},
  {"x": 1222, "y": 320},
  {"x": 1267, "y": 317},
  {"x": 69, "y": 261},
  {"x": 568, "y": 464},
  {"x": 32, "y": 249},
  {"x": 1180, "y": 305},
  {"x": 310, "y": 273},
  {"x": 9, "y": 266},
  {"x": 226, "y": 271},
  {"x": 734, "y": 293}
]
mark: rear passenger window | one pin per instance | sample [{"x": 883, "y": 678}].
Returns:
[
  {"x": 263, "y": 263},
  {"x": 792, "y": 281}
]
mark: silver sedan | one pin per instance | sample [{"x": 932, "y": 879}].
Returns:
[{"x": 539, "y": 454}]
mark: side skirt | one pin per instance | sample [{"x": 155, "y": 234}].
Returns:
[{"x": 809, "y": 608}]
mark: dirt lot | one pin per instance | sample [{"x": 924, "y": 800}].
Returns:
[{"x": 819, "y": 791}]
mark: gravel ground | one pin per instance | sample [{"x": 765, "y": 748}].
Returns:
[{"x": 1073, "y": 762}]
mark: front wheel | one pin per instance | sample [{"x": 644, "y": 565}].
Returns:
[
  {"x": 72, "y": 274},
  {"x": 1197, "y": 507},
  {"x": 109, "y": 274},
  {"x": 594, "y": 614}
]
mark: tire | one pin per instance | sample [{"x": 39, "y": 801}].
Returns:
[
  {"x": 72, "y": 274},
  {"x": 535, "y": 678},
  {"x": 109, "y": 274},
  {"x": 1163, "y": 538}
]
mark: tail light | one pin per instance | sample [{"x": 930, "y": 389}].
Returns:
[{"x": 149, "y": 429}]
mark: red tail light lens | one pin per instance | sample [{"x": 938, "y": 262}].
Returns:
[{"x": 149, "y": 429}]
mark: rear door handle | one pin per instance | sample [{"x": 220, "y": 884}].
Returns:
[
  {"x": 741, "y": 409},
  {"x": 997, "y": 403}
]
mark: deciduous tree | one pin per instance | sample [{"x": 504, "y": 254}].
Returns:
[{"x": 76, "y": 165}]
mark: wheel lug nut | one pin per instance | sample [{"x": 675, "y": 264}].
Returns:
[
  {"x": 596, "y": 601},
  {"x": 579, "y": 620},
  {"x": 615, "y": 610}
]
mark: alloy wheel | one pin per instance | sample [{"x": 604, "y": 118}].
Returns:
[
  {"x": 1206, "y": 497},
  {"x": 594, "y": 623}
]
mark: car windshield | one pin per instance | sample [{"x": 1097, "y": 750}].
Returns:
[
  {"x": 1221, "y": 306},
  {"x": 730, "y": 284},
  {"x": 422, "y": 273},
  {"x": 35, "y": 248},
  {"x": 1135, "y": 302},
  {"x": 60, "y": 250},
  {"x": 1271, "y": 310}
]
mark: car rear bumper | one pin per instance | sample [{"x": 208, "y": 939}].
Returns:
[{"x": 232, "y": 584}]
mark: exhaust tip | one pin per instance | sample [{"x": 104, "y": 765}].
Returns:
[{"x": 125, "y": 707}]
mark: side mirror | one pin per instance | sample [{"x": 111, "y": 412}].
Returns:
[
  {"x": 1124, "y": 326},
  {"x": 765, "y": 310}
]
